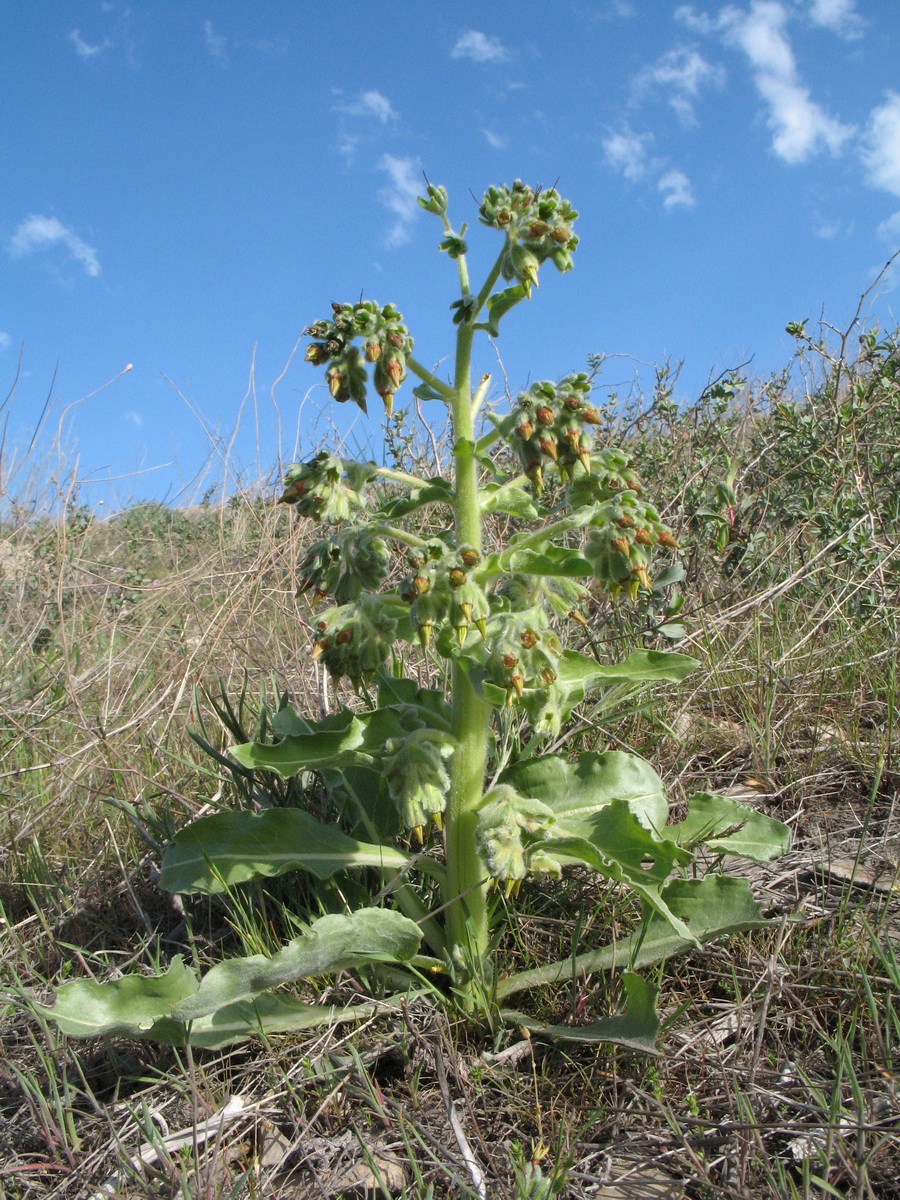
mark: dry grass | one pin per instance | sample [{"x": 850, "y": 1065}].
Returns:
[{"x": 780, "y": 1075}]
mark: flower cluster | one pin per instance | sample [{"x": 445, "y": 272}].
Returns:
[
  {"x": 438, "y": 589},
  {"x": 343, "y": 565},
  {"x": 538, "y": 225},
  {"x": 549, "y": 425},
  {"x": 620, "y": 540},
  {"x": 417, "y": 778},
  {"x": 503, "y": 818},
  {"x": 522, "y": 651},
  {"x": 386, "y": 344},
  {"x": 326, "y": 488},
  {"x": 355, "y": 639}
]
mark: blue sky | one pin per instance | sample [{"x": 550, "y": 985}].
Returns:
[{"x": 188, "y": 185}]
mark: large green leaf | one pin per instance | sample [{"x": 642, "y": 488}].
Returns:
[
  {"x": 578, "y": 790},
  {"x": 728, "y": 827},
  {"x": 335, "y": 942},
  {"x": 500, "y": 303},
  {"x": 581, "y": 674},
  {"x": 508, "y": 498},
  {"x": 229, "y": 1003},
  {"x": 433, "y": 491},
  {"x": 711, "y": 907},
  {"x": 344, "y": 738},
  {"x": 130, "y": 1006},
  {"x": 551, "y": 560},
  {"x": 637, "y": 1027},
  {"x": 217, "y": 852}
]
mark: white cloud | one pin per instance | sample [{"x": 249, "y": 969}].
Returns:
[
  {"x": 676, "y": 189},
  {"x": 698, "y": 22},
  {"x": 38, "y": 233},
  {"x": 5, "y": 341},
  {"x": 681, "y": 72},
  {"x": 839, "y": 16},
  {"x": 480, "y": 48},
  {"x": 371, "y": 104},
  {"x": 84, "y": 49},
  {"x": 134, "y": 417},
  {"x": 401, "y": 197},
  {"x": 889, "y": 230},
  {"x": 495, "y": 139},
  {"x": 800, "y": 126},
  {"x": 216, "y": 43},
  {"x": 628, "y": 153},
  {"x": 880, "y": 150}
]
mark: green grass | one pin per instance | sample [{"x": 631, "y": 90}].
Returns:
[{"x": 780, "y": 1073}]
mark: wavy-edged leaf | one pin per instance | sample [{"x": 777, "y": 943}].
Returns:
[
  {"x": 217, "y": 852},
  {"x": 576, "y": 791},
  {"x": 508, "y": 498},
  {"x": 636, "y": 1027},
  {"x": 500, "y": 303},
  {"x": 433, "y": 491},
  {"x": 130, "y": 1006},
  {"x": 729, "y": 827},
  {"x": 335, "y": 942},
  {"x": 551, "y": 560},
  {"x": 344, "y": 738},
  {"x": 714, "y": 906}
]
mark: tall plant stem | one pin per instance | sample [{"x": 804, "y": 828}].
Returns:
[{"x": 466, "y": 887}]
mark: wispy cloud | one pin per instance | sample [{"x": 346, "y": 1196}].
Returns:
[
  {"x": 39, "y": 233},
  {"x": 840, "y": 16},
  {"x": 401, "y": 195},
  {"x": 5, "y": 341},
  {"x": 85, "y": 49},
  {"x": 676, "y": 189},
  {"x": 629, "y": 153},
  {"x": 496, "y": 140},
  {"x": 371, "y": 104},
  {"x": 800, "y": 126},
  {"x": 216, "y": 44},
  {"x": 480, "y": 48},
  {"x": 889, "y": 230},
  {"x": 681, "y": 73},
  {"x": 880, "y": 150}
]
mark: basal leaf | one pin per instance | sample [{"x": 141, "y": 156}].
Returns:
[
  {"x": 217, "y": 852},
  {"x": 130, "y": 1006},
  {"x": 728, "y": 827},
  {"x": 714, "y": 906},
  {"x": 334, "y": 942},
  {"x": 637, "y": 1027}
]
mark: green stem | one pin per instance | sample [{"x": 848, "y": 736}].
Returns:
[
  {"x": 465, "y": 892},
  {"x": 399, "y": 476},
  {"x": 429, "y": 377},
  {"x": 399, "y": 535}
]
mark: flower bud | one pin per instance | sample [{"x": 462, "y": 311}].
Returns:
[
  {"x": 545, "y": 415},
  {"x": 666, "y": 538},
  {"x": 373, "y": 351},
  {"x": 561, "y": 235},
  {"x": 317, "y": 353},
  {"x": 643, "y": 537},
  {"x": 469, "y": 556}
]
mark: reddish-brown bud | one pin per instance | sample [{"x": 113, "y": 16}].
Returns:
[
  {"x": 590, "y": 416},
  {"x": 509, "y": 661},
  {"x": 538, "y": 228},
  {"x": 517, "y": 679},
  {"x": 335, "y": 382},
  {"x": 457, "y": 577},
  {"x": 525, "y": 429},
  {"x": 545, "y": 415},
  {"x": 548, "y": 446},
  {"x": 394, "y": 369},
  {"x": 561, "y": 234},
  {"x": 529, "y": 639},
  {"x": 470, "y": 557},
  {"x": 643, "y": 537},
  {"x": 317, "y": 353},
  {"x": 373, "y": 351},
  {"x": 626, "y": 521},
  {"x": 396, "y": 339},
  {"x": 621, "y": 544},
  {"x": 421, "y": 585},
  {"x": 666, "y": 538},
  {"x": 344, "y": 636}
]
